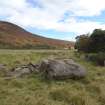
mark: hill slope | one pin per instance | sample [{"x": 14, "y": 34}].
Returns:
[{"x": 13, "y": 36}]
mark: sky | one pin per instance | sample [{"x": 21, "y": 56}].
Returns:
[{"x": 59, "y": 19}]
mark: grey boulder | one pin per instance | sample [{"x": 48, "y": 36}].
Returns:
[{"x": 62, "y": 69}]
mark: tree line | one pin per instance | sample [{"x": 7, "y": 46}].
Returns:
[
  {"x": 91, "y": 43},
  {"x": 92, "y": 46}
]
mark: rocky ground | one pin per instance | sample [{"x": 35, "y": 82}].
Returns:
[{"x": 50, "y": 68}]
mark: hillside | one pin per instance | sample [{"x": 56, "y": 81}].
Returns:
[{"x": 13, "y": 36}]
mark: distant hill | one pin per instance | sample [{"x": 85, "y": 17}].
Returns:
[{"x": 13, "y": 36}]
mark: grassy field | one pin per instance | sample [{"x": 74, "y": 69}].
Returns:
[{"x": 34, "y": 90}]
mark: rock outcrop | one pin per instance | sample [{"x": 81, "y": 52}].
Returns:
[
  {"x": 23, "y": 70},
  {"x": 62, "y": 69},
  {"x": 51, "y": 69}
]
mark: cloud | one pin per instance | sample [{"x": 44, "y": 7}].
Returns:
[
  {"x": 88, "y": 7},
  {"x": 47, "y": 14}
]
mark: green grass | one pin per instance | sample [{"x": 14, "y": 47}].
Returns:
[{"x": 35, "y": 90}]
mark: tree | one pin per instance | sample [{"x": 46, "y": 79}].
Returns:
[
  {"x": 97, "y": 41},
  {"x": 82, "y": 43}
]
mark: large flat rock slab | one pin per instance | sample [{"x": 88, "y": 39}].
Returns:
[{"x": 62, "y": 69}]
